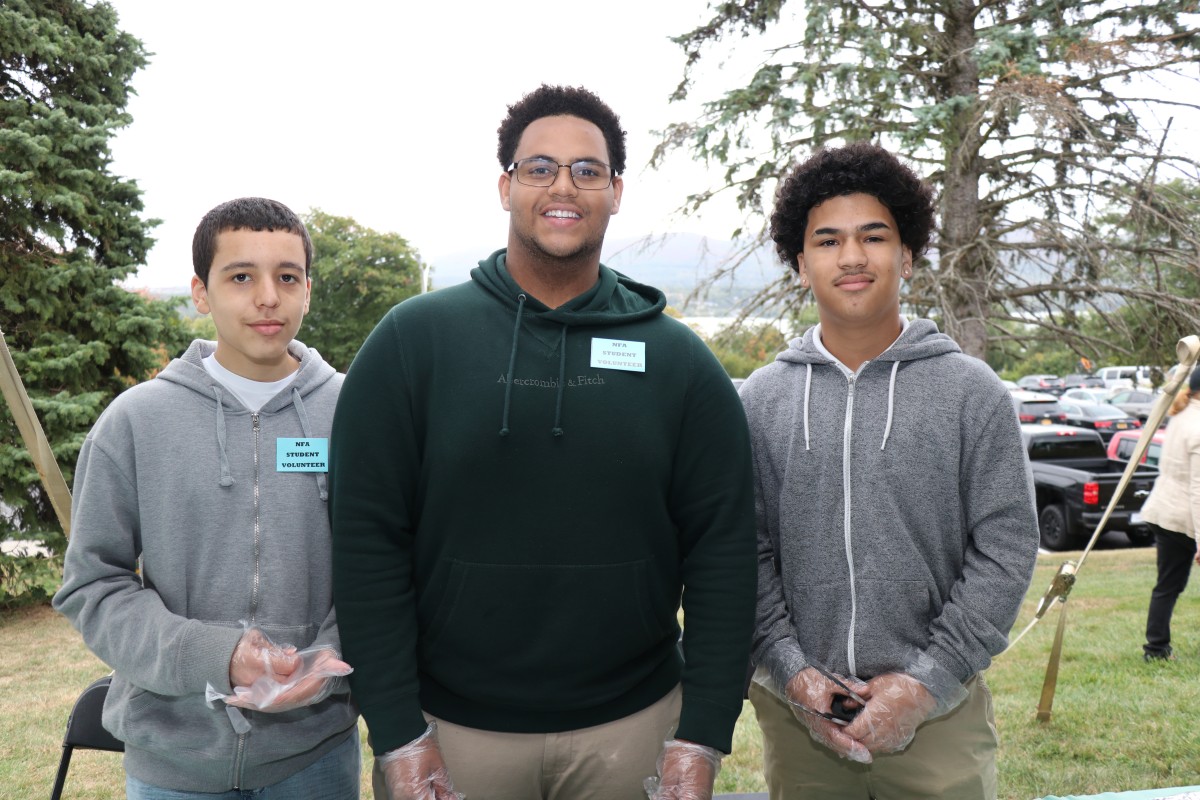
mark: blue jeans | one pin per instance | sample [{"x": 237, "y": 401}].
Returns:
[{"x": 335, "y": 776}]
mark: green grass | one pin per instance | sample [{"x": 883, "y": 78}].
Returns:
[{"x": 1118, "y": 723}]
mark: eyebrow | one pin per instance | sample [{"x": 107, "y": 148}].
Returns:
[
  {"x": 593, "y": 159},
  {"x": 864, "y": 228},
  {"x": 240, "y": 265}
]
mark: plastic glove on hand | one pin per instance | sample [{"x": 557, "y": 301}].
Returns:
[
  {"x": 313, "y": 680},
  {"x": 686, "y": 771},
  {"x": 808, "y": 691},
  {"x": 898, "y": 703},
  {"x": 417, "y": 770},
  {"x": 256, "y": 656}
]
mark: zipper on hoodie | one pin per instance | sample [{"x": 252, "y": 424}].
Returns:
[
  {"x": 240, "y": 755},
  {"x": 847, "y": 430}
]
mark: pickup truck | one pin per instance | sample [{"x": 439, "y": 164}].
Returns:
[{"x": 1074, "y": 479}]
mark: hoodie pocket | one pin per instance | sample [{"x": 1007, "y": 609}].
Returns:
[
  {"x": 547, "y": 636},
  {"x": 175, "y": 727}
]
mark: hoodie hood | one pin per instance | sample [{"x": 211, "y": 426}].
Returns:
[
  {"x": 188, "y": 371},
  {"x": 614, "y": 300},
  {"x": 920, "y": 339}
]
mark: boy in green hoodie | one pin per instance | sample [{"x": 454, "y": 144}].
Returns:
[{"x": 528, "y": 471}]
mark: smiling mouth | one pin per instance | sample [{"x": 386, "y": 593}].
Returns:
[{"x": 561, "y": 214}]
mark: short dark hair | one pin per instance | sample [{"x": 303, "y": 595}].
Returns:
[
  {"x": 244, "y": 213},
  {"x": 834, "y": 172},
  {"x": 554, "y": 101}
]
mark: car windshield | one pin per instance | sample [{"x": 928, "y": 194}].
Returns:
[{"x": 1066, "y": 447}]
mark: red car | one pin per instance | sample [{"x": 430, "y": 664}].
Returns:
[{"x": 1121, "y": 445}]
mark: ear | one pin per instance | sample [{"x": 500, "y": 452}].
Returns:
[
  {"x": 307, "y": 293},
  {"x": 618, "y": 186},
  {"x": 906, "y": 262},
  {"x": 200, "y": 295},
  {"x": 800, "y": 270},
  {"x": 505, "y": 186}
]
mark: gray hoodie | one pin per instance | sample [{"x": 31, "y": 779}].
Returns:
[
  {"x": 179, "y": 472},
  {"x": 896, "y": 523}
]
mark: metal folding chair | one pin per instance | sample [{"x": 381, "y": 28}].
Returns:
[{"x": 84, "y": 730}]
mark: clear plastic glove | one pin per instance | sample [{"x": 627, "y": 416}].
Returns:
[
  {"x": 257, "y": 656},
  {"x": 809, "y": 691},
  {"x": 897, "y": 704},
  {"x": 686, "y": 771},
  {"x": 314, "y": 679},
  {"x": 417, "y": 770}
]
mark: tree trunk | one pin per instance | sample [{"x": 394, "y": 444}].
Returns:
[{"x": 962, "y": 261}]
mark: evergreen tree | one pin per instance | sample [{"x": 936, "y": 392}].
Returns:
[
  {"x": 357, "y": 275},
  {"x": 69, "y": 232},
  {"x": 1036, "y": 119}
]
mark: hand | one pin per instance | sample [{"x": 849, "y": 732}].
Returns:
[
  {"x": 686, "y": 771},
  {"x": 417, "y": 771},
  {"x": 897, "y": 704},
  {"x": 257, "y": 656},
  {"x": 311, "y": 682},
  {"x": 812, "y": 690}
]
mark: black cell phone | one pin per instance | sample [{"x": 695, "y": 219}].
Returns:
[{"x": 839, "y": 709}]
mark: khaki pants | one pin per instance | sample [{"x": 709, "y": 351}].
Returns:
[
  {"x": 951, "y": 758},
  {"x": 605, "y": 762}
]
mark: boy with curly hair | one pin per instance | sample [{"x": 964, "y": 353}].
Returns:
[{"x": 896, "y": 525}]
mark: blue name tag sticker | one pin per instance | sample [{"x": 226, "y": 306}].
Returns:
[
  {"x": 618, "y": 354},
  {"x": 302, "y": 455}
]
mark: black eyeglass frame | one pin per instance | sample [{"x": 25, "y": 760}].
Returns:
[{"x": 612, "y": 173}]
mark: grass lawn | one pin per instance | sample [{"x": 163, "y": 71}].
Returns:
[{"x": 1118, "y": 724}]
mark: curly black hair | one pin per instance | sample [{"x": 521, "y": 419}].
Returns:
[
  {"x": 859, "y": 167},
  {"x": 553, "y": 101},
  {"x": 244, "y": 213}
]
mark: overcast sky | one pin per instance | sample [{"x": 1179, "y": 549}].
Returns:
[{"x": 342, "y": 106}]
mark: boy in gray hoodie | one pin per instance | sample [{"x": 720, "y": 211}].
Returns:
[
  {"x": 199, "y": 565},
  {"x": 896, "y": 525}
]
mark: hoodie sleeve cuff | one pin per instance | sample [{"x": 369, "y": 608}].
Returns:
[
  {"x": 204, "y": 657},
  {"x": 779, "y": 664},
  {"x": 946, "y": 687}
]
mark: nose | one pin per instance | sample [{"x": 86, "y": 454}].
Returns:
[
  {"x": 563, "y": 185},
  {"x": 852, "y": 254},
  {"x": 268, "y": 294}
]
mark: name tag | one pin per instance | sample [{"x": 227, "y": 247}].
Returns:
[
  {"x": 618, "y": 354},
  {"x": 302, "y": 455}
]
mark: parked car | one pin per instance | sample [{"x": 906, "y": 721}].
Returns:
[
  {"x": 1122, "y": 444},
  {"x": 1134, "y": 402},
  {"x": 1074, "y": 479},
  {"x": 1081, "y": 381},
  {"x": 1087, "y": 395},
  {"x": 1037, "y": 407},
  {"x": 1099, "y": 417},
  {"x": 1042, "y": 383},
  {"x": 1124, "y": 377},
  {"x": 1010, "y": 385}
]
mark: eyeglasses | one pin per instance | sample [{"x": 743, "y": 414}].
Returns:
[{"x": 543, "y": 172}]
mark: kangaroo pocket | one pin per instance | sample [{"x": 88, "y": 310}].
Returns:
[
  {"x": 175, "y": 727},
  {"x": 893, "y": 619},
  {"x": 548, "y": 636}
]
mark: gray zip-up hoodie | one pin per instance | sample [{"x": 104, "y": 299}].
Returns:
[
  {"x": 179, "y": 472},
  {"x": 896, "y": 523}
]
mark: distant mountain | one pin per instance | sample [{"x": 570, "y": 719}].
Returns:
[{"x": 676, "y": 263}]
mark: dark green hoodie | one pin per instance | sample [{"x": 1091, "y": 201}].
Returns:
[{"x": 514, "y": 525}]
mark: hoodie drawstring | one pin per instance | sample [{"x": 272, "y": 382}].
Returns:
[
  {"x": 887, "y": 429},
  {"x": 562, "y": 376},
  {"x": 807, "y": 388},
  {"x": 512, "y": 362},
  {"x": 226, "y": 475},
  {"x": 322, "y": 481}
]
